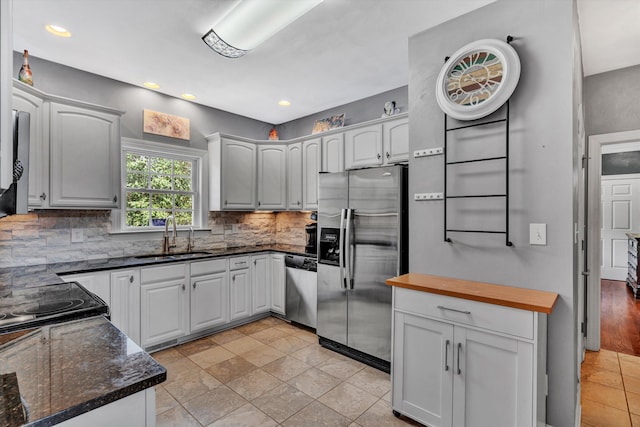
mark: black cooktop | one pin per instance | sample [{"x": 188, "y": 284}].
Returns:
[{"x": 32, "y": 307}]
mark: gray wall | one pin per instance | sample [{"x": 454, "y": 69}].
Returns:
[
  {"x": 541, "y": 172},
  {"x": 355, "y": 112},
  {"x": 61, "y": 80},
  {"x": 611, "y": 101}
]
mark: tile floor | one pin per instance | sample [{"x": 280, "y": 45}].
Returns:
[
  {"x": 270, "y": 373},
  {"x": 610, "y": 389}
]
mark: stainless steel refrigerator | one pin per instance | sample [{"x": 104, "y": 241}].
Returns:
[{"x": 362, "y": 241}]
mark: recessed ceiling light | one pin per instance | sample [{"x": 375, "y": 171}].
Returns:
[
  {"x": 284, "y": 103},
  {"x": 57, "y": 30},
  {"x": 188, "y": 96},
  {"x": 151, "y": 85}
]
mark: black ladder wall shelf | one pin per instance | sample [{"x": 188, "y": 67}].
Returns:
[{"x": 505, "y": 196}]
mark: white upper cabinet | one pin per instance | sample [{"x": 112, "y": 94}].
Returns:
[
  {"x": 363, "y": 147},
  {"x": 74, "y": 156},
  {"x": 311, "y": 151},
  {"x": 84, "y": 157},
  {"x": 333, "y": 153},
  {"x": 25, "y": 99},
  {"x": 272, "y": 177},
  {"x": 294, "y": 176},
  {"x": 395, "y": 140},
  {"x": 377, "y": 144},
  {"x": 232, "y": 174}
]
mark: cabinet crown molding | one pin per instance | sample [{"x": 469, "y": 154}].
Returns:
[{"x": 218, "y": 135}]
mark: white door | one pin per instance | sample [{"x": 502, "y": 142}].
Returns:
[
  {"x": 294, "y": 173},
  {"x": 260, "y": 286},
  {"x": 272, "y": 177},
  {"x": 620, "y": 215},
  {"x": 240, "y": 294},
  {"x": 164, "y": 308},
  {"x": 277, "y": 283}
]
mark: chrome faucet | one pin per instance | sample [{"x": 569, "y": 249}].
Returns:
[
  {"x": 192, "y": 240},
  {"x": 165, "y": 244}
]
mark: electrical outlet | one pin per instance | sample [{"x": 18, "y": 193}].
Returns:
[
  {"x": 77, "y": 235},
  {"x": 537, "y": 234}
]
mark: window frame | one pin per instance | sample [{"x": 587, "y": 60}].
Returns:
[{"x": 198, "y": 157}]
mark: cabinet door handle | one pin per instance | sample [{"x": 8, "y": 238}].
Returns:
[
  {"x": 459, "y": 348},
  {"x": 115, "y": 199},
  {"x": 254, "y": 262},
  {"x": 379, "y": 156},
  {"x": 131, "y": 279},
  {"x": 184, "y": 287},
  {"x": 388, "y": 155},
  {"x": 442, "y": 307},
  {"x": 233, "y": 278},
  {"x": 446, "y": 356},
  {"x": 225, "y": 202},
  {"x": 194, "y": 285},
  {"x": 258, "y": 202},
  {"x": 43, "y": 196},
  {"x": 298, "y": 202}
]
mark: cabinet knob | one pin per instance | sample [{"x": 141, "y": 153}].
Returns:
[
  {"x": 43, "y": 196},
  {"x": 388, "y": 155},
  {"x": 254, "y": 262},
  {"x": 258, "y": 202},
  {"x": 298, "y": 202},
  {"x": 184, "y": 287},
  {"x": 130, "y": 279},
  {"x": 233, "y": 278},
  {"x": 379, "y": 156},
  {"x": 194, "y": 285},
  {"x": 115, "y": 199},
  {"x": 225, "y": 203}
]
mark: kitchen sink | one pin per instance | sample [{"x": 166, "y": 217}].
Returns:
[{"x": 182, "y": 255}]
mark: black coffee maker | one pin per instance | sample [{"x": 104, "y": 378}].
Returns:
[{"x": 312, "y": 238}]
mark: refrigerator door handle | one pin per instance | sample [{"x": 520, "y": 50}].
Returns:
[
  {"x": 348, "y": 251},
  {"x": 343, "y": 283}
]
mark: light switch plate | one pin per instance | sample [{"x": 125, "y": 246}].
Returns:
[
  {"x": 537, "y": 234},
  {"x": 77, "y": 235}
]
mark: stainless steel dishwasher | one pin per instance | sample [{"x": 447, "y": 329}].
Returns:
[{"x": 301, "y": 290}]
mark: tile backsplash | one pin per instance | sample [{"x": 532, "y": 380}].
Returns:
[{"x": 50, "y": 236}]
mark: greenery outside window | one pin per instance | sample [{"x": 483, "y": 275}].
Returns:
[{"x": 159, "y": 180}]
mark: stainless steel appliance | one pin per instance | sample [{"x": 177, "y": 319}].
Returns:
[
  {"x": 13, "y": 200},
  {"x": 301, "y": 290},
  {"x": 36, "y": 306},
  {"x": 362, "y": 220}
]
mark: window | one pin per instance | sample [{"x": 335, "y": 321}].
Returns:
[{"x": 158, "y": 181}]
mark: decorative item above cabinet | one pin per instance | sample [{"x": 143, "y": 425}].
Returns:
[{"x": 75, "y": 151}]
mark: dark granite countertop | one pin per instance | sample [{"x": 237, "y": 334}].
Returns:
[
  {"x": 67, "y": 369},
  {"x": 47, "y": 274}
]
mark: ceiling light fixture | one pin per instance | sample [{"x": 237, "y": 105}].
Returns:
[
  {"x": 284, "y": 103},
  {"x": 151, "y": 85},
  {"x": 57, "y": 30},
  {"x": 251, "y": 22},
  {"x": 188, "y": 96}
]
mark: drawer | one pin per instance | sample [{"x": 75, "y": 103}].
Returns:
[
  {"x": 162, "y": 274},
  {"x": 236, "y": 263},
  {"x": 496, "y": 318},
  {"x": 207, "y": 267}
]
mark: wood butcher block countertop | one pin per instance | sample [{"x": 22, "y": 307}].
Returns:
[{"x": 508, "y": 296}]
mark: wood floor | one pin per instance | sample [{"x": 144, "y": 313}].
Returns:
[{"x": 619, "y": 318}]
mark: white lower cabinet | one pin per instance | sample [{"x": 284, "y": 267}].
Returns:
[
  {"x": 239, "y": 287},
  {"x": 260, "y": 289},
  {"x": 209, "y": 294},
  {"x": 460, "y": 363},
  {"x": 125, "y": 302},
  {"x": 277, "y": 283},
  {"x": 164, "y": 304},
  {"x": 97, "y": 282}
]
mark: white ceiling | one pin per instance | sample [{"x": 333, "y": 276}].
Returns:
[{"x": 339, "y": 52}]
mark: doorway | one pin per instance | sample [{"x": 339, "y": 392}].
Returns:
[{"x": 598, "y": 143}]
